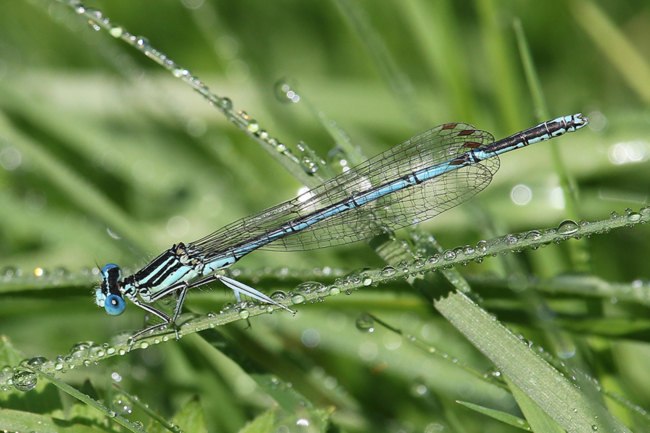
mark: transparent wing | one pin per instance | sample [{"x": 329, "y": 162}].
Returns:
[{"x": 391, "y": 212}]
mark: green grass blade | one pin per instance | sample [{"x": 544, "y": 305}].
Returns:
[
  {"x": 539, "y": 421},
  {"x": 540, "y": 381},
  {"x": 616, "y": 47},
  {"x": 498, "y": 415},
  {"x": 89, "y": 401}
]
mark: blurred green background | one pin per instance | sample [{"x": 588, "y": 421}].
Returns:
[{"x": 95, "y": 137}]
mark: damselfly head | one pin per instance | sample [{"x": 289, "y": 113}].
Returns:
[
  {"x": 108, "y": 295},
  {"x": 111, "y": 272}
]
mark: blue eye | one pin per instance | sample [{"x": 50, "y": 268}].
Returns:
[
  {"x": 114, "y": 305},
  {"x": 109, "y": 267}
]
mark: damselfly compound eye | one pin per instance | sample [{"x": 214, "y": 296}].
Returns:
[
  {"x": 113, "y": 270},
  {"x": 114, "y": 305}
]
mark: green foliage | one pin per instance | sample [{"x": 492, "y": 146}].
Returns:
[{"x": 105, "y": 156}]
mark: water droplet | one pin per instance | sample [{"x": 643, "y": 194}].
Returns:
[
  {"x": 180, "y": 72},
  {"x": 297, "y": 299},
  {"x": 365, "y": 323},
  {"x": 116, "y": 31},
  {"x": 403, "y": 267},
  {"x": 9, "y": 272},
  {"x": 142, "y": 43},
  {"x": 633, "y": 217},
  {"x": 567, "y": 227},
  {"x": 37, "y": 362},
  {"x": 433, "y": 259},
  {"x": 24, "y": 379},
  {"x": 366, "y": 280},
  {"x": 226, "y": 103},
  {"x": 309, "y": 287},
  {"x": 284, "y": 90},
  {"x": 449, "y": 255},
  {"x": 253, "y": 126},
  {"x": 263, "y": 134},
  {"x": 120, "y": 404},
  {"x": 334, "y": 291},
  {"x": 533, "y": 235},
  {"x": 309, "y": 166},
  {"x": 278, "y": 296},
  {"x": 481, "y": 246},
  {"x": 419, "y": 389},
  {"x": 388, "y": 271},
  {"x": 80, "y": 350},
  {"x": 244, "y": 314},
  {"x": 511, "y": 239}
]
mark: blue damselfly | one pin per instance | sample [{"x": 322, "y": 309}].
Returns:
[{"x": 411, "y": 182}]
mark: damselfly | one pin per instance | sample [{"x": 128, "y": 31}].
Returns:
[{"x": 412, "y": 182}]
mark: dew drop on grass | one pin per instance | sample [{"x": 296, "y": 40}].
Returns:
[
  {"x": 24, "y": 379},
  {"x": 365, "y": 323},
  {"x": 567, "y": 227}
]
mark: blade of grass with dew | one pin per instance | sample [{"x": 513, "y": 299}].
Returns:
[
  {"x": 539, "y": 421},
  {"x": 421, "y": 265},
  {"x": 339, "y": 136},
  {"x": 505, "y": 418},
  {"x": 135, "y": 428},
  {"x": 542, "y": 383},
  {"x": 162, "y": 422},
  {"x": 277, "y": 150},
  {"x": 582, "y": 286}
]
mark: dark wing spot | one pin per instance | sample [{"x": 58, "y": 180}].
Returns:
[{"x": 460, "y": 160}]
